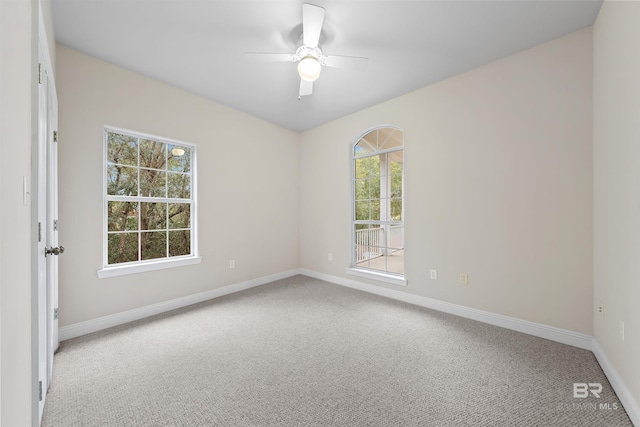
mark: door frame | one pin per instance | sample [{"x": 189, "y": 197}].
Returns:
[{"x": 44, "y": 207}]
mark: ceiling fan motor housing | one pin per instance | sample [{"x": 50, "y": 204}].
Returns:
[{"x": 304, "y": 51}]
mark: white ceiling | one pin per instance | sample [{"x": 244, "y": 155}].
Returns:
[{"x": 199, "y": 45}]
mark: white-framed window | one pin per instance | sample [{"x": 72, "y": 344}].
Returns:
[
  {"x": 149, "y": 203},
  {"x": 377, "y": 232}
]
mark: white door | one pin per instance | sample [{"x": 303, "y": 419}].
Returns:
[
  {"x": 52, "y": 230},
  {"x": 40, "y": 207},
  {"x": 46, "y": 210}
]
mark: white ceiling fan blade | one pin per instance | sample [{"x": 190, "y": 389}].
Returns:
[
  {"x": 355, "y": 63},
  {"x": 269, "y": 57},
  {"x": 312, "y": 18},
  {"x": 306, "y": 88}
]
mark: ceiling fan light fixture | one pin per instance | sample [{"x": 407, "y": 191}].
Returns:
[
  {"x": 177, "y": 151},
  {"x": 309, "y": 68}
]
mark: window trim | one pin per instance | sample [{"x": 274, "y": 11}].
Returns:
[
  {"x": 141, "y": 266},
  {"x": 383, "y": 276},
  {"x": 148, "y": 265},
  {"x": 395, "y": 279}
]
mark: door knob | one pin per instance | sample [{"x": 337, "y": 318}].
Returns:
[{"x": 54, "y": 251}]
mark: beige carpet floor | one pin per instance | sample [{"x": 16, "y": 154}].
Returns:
[{"x": 303, "y": 352}]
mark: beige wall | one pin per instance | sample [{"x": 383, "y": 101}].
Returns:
[
  {"x": 247, "y": 187},
  {"x": 498, "y": 182},
  {"x": 616, "y": 137},
  {"x": 18, "y": 23}
]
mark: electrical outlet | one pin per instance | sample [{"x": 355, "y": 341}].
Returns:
[
  {"x": 434, "y": 274},
  {"x": 621, "y": 331},
  {"x": 601, "y": 310},
  {"x": 464, "y": 278},
  {"x": 232, "y": 264},
  {"x": 329, "y": 257}
]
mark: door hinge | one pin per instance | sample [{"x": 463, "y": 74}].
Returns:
[
  {"x": 39, "y": 232},
  {"x": 55, "y": 136},
  {"x": 39, "y": 73},
  {"x": 55, "y": 313},
  {"x": 55, "y": 225},
  {"x": 40, "y": 391}
]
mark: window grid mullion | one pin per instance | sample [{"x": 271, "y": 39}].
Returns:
[
  {"x": 377, "y": 153},
  {"x": 166, "y": 175},
  {"x": 113, "y": 198},
  {"x": 139, "y": 234},
  {"x": 139, "y": 206},
  {"x": 166, "y": 224}
]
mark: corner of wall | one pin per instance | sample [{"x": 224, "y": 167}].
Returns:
[{"x": 616, "y": 177}]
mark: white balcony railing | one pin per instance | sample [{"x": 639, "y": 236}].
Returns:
[{"x": 372, "y": 242}]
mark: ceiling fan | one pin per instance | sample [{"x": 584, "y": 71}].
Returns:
[{"x": 308, "y": 55}]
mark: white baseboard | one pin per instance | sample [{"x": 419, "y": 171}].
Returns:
[
  {"x": 94, "y": 325},
  {"x": 563, "y": 336},
  {"x": 625, "y": 396}
]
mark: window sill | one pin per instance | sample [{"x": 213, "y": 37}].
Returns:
[
  {"x": 381, "y": 276},
  {"x": 123, "y": 270}
]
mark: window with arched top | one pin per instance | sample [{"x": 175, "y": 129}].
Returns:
[{"x": 378, "y": 204}]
